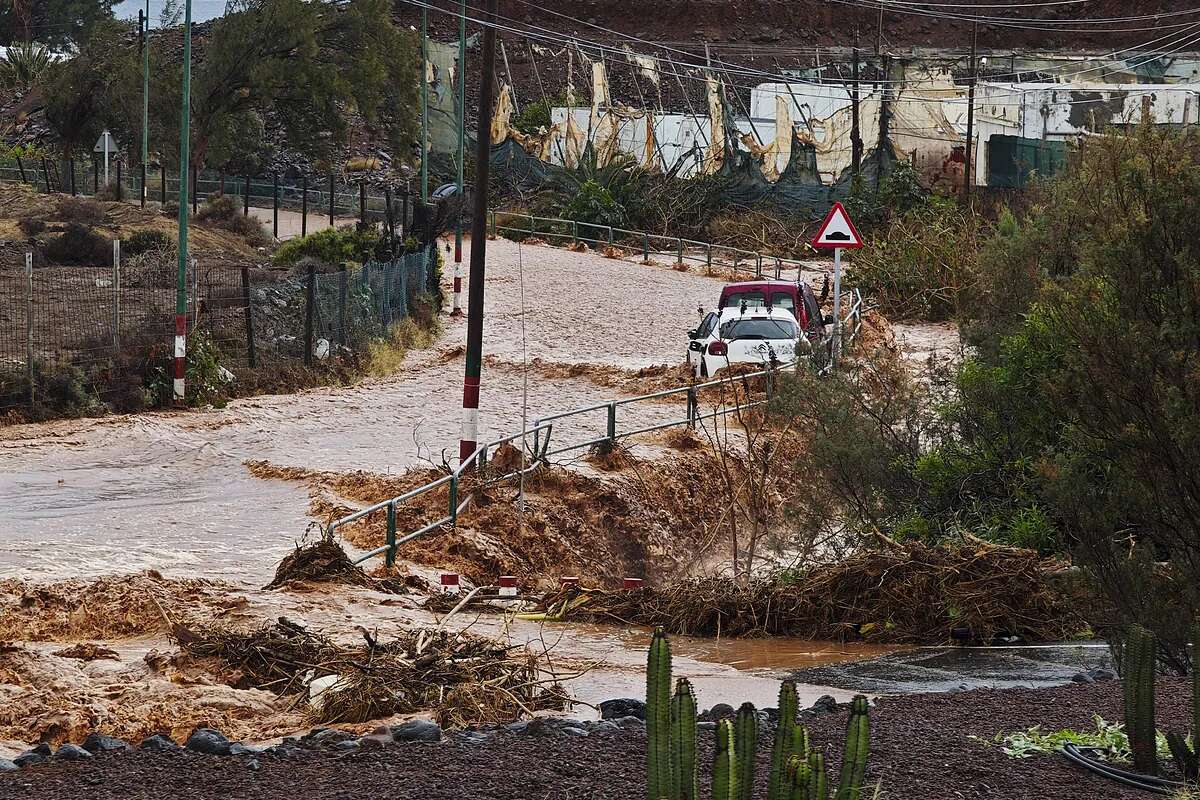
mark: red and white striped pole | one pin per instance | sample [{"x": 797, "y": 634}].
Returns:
[
  {"x": 457, "y": 310},
  {"x": 450, "y": 583},
  {"x": 508, "y": 586},
  {"x": 180, "y": 356}
]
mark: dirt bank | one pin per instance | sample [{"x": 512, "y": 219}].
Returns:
[{"x": 922, "y": 747}]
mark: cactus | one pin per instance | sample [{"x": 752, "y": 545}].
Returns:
[
  {"x": 746, "y": 745},
  {"x": 1140, "y": 651},
  {"x": 658, "y": 718},
  {"x": 684, "y": 784},
  {"x": 854, "y": 761},
  {"x": 724, "y": 775},
  {"x": 1188, "y": 758},
  {"x": 784, "y": 736},
  {"x": 800, "y": 779},
  {"x": 820, "y": 779}
]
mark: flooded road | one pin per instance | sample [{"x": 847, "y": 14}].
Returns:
[{"x": 169, "y": 491}]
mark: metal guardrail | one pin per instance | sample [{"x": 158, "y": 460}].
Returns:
[
  {"x": 476, "y": 466},
  {"x": 684, "y": 250}
]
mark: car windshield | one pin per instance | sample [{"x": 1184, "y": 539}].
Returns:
[
  {"x": 758, "y": 328},
  {"x": 751, "y": 299}
]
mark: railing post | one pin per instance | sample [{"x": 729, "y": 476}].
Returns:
[
  {"x": 758, "y": 267},
  {"x": 73, "y": 192},
  {"x": 119, "y": 195},
  {"x": 574, "y": 232},
  {"x": 29, "y": 329},
  {"x": 162, "y": 185},
  {"x": 275, "y": 205},
  {"x": 309, "y": 304},
  {"x": 680, "y": 248},
  {"x": 493, "y": 223},
  {"x": 778, "y": 268},
  {"x": 390, "y": 556},
  {"x": 304, "y": 205},
  {"x": 610, "y": 236},
  {"x": 143, "y": 181},
  {"x": 332, "y": 189},
  {"x": 692, "y": 404},
  {"x": 116, "y": 282},
  {"x": 21, "y": 167},
  {"x": 246, "y": 198},
  {"x": 737, "y": 261},
  {"x": 708, "y": 257},
  {"x": 453, "y": 513},
  {"x": 342, "y": 294},
  {"x": 195, "y": 189},
  {"x": 249, "y": 317},
  {"x": 612, "y": 423},
  {"x": 645, "y": 247}
]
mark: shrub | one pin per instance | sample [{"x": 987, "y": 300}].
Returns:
[
  {"x": 80, "y": 210},
  {"x": 80, "y": 245},
  {"x": 330, "y": 246},
  {"x": 220, "y": 211},
  {"x": 31, "y": 226},
  {"x": 593, "y": 204},
  {"x": 146, "y": 240}
]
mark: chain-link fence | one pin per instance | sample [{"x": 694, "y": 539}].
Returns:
[{"x": 77, "y": 339}]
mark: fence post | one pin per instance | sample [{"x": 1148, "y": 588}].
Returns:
[
  {"x": 162, "y": 186},
  {"x": 95, "y": 176},
  {"x": 389, "y": 558},
  {"x": 612, "y": 423},
  {"x": 778, "y": 268},
  {"x": 342, "y": 293},
  {"x": 119, "y": 192},
  {"x": 21, "y": 167},
  {"x": 250, "y": 355},
  {"x": 195, "y": 188},
  {"x": 494, "y": 223},
  {"x": 646, "y": 247},
  {"x": 708, "y": 257},
  {"x": 246, "y": 198},
  {"x": 737, "y": 262},
  {"x": 680, "y": 246},
  {"x": 758, "y": 266},
  {"x": 116, "y": 282},
  {"x": 304, "y": 205},
  {"x": 46, "y": 169},
  {"x": 310, "y": 297},
  {"x": 73, "y": 192},
  {"x": 610, "y": 236},
  {"x": 574, "y": 230},
  {"x": 29, "y": 327},
  {"x": 692, "y": 404},
  {"x": 331, "y": 191},
  {"x": 275, "y": 205},
  {"x": 362, "y": 202},
  {"x": 143, "y": 181}
]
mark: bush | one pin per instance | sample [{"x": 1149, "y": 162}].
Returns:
[
  {"x": 30, "y": 226},
  {"x": 79, "y": 245},
  {"x": 221, "y": 211},
  {"x": 593, "y": 204},
  {"x": 146, "y": 240},
  {"x": 330, "y": 246},
  {"x": 80, "y": 210}
]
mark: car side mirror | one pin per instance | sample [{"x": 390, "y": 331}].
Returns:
[
  {"x": 694, "y": 333},
  {"x": 696, "y": 346},
  {"x": 828, "y": 319}
]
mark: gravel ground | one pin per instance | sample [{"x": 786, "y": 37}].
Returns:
[{"x": 921, "y": 750}]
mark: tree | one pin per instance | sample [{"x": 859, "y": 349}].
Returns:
[
  {"x": 307, "y": 68},
  {"x": 55, "y": 23}
]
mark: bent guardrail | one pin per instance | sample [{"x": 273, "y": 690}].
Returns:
[{"x": 475, "y": 468}]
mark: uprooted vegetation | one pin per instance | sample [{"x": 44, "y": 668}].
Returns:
[
  {"x": 895, "y": 594},
  {"x": 462, "y": 678}
]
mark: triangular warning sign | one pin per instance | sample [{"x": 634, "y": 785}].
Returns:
[{"x": 837, "y": 230}]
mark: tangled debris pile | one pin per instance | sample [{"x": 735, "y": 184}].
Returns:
[
  {"x": 320, "y": 561},
  {"x": 462, "y": 678},
  {"x": 903, "y": 593}
]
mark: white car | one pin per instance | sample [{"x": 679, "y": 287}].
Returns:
[{"x": 745, "y": 335}]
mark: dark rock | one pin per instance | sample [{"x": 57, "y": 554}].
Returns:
[
  {"x": 520, "y": 726},
  {"x": 209, "y": 742},
  {"x": 603, "y": 726},
  {"x": 622, "y": 707},
  {"x": 158, "y": 742},
  {"x": 329, "y": 736},
  {"x": 71, "y": 752},
  {"x": 824, "y": 705},
  {"x": 239, "y": 749},
  {"x": 38, "y": 755},
  {"x": 1102, "y": 675},
  {"x": 629, "y": 722},
  {"x": 377, "y": 739},
  {"x": 571, "y": 730},
  {"x": 1082, "y": 677},
  {"x": 719, "y": 711},
  {"x": 99, "y": 743},
  {"x": 706, "y": 726},
  {"x": 473, "y": 737},
  {"x": 771, "y": 714},
  {"x": 417, "y": 730},
  {"x": 254, "y": 765},
  {"x": 7, "y": 766},
  {"x": 346, "y": 744}
]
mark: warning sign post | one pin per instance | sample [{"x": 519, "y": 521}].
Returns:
[{"x": 837, "y": 232}]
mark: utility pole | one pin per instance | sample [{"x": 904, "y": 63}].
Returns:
[
  {"x": 483, "y": 146},
  {"x": 879, "y": 29},
  {"x": 424, "y": 105},
  {"x": 969, "y": 167},
  {"x": 856, "y": 145},
  {"x": 184, "y": 159},
  {"x": 145, "y": 96},
  {"x": 462, "y": 125}
]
